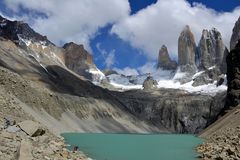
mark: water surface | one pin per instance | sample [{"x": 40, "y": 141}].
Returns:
[{"x": 135, "y": 146}]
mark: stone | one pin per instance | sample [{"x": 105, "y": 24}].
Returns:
[
  {"x": 7, "y": 135},
  {"x": 54, "y": 148},
  {"x": 49, "y": 151},
  {"x": 31, "y": 128},
  {"x": 13, "y": 129},
  {"x": 47, "y": 158},
  {"x": 25, "y": 151},
  {"x": 149, "y": 84},
  {"x": 187, "y": 51},
  {"x": 164, "y": 60},
  {"x": 43, "y": 139}
]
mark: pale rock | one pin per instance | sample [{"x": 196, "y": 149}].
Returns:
[{"x": 31, "y": 128}]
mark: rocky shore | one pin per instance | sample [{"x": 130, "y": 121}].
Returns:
[
  {"x": 28, "y": 139},
  {"x": 222, "y": 145}
]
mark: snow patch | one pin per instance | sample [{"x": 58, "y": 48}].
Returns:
[
  {"x": 97, "y": 74},
  {"x": 3, "y": 24},
  {"x": 209, "y": 89},
  {"x": 126, "y": 87}
]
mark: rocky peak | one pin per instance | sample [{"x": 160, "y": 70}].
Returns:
[
  {"x": 164, "y": 60},
  {"x": 211, "y": 49},
  {"x": 235, "y": 34},
  {"x": 77, "y": 54},
  {"x": 19, "y": 31},
  {"x": 78, "y": 59},
  {"x": 186, "y": 50}
]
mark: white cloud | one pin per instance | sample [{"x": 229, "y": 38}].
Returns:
[
  {"x": 70, "y": 20},
  {"x": 108, "y": 57},
  {"x": 161, "y": 23},
  {"x": 147, "y": 68},
  {"x": 126, "y": 71}
]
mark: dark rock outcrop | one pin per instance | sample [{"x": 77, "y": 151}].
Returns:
[
  {"x": 149, "y": 84},
  {"x": 17, "y": 30},
  {"x": 233, "y": 77},
  {"x": 187, "y": 51},
  {"x": 164, "y": 60},
  {"x": 235, "y": 35},
  {"x": 176, "y": 110},
  {"x": 211, "y": 49}
]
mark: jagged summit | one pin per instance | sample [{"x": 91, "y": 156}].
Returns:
[
  {"x": 18, "y": 30},
  {"x": 211, "y": 49}
]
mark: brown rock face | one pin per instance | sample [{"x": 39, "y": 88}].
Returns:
[
  {"x": 186, "y": 51},
  {"x": 233, "y": 77},
  {"x": 78, "y": 59},
  {"x": 77, "y": 54},
  {"x": 164, "y": 61},
  {"x": 235, "y": 35}
]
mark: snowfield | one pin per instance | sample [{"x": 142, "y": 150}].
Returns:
[{"x": 165, "y": 79}]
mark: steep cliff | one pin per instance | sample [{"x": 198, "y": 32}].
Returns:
[
  {"x": 233, "y": 77},
  {"x": 80, "y": 61},
  {"x": 187, "y": 51},
  {"x": 211, "y": 49},
  {"x": 235, "y": 35}
]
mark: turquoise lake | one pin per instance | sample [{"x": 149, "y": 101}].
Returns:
[{"x": 135, "y": 146}]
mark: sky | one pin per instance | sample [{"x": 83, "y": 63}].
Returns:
[{"x": 124, "y": 35}]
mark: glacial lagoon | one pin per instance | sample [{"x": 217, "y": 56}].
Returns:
[{"x": 135, "y": 146}]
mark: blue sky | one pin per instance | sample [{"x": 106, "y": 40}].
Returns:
[{"x": 124, "y": 34}]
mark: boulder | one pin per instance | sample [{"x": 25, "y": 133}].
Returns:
[
  {"x": 31, "y": 128},
  {"x": 164, "y": 60},
  {"x": 187, "y": 51},
  {"x": 150, "y": 84}
]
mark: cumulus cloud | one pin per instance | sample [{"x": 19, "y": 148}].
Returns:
[
  {"x": 127, "y": 71},
  {"x": 108, "y": 57},
  {"x": 162, "y": 22},
  {"x": 147, "y": 68},
  {"x": 70, "y": 20}
]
